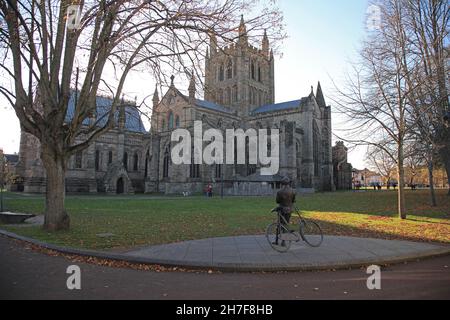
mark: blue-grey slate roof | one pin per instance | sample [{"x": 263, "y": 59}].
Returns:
[
  {"x": 12, "y": 158},
  {"x": 133, "y": 121},
  {"x": 212, "y": 106},
  {"x": 296, "y": 104}
]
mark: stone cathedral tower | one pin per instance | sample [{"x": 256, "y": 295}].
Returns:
[{"x": 240, "y": 76}]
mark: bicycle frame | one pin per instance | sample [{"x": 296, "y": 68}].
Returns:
[
  {"x": 283, "y": 223},
  {"x": 282, "y": 230}
]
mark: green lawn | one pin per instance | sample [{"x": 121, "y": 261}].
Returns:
[{"x": 145, "y": 220}]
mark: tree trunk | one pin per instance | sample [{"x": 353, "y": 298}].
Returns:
[
  {"x": 401, "y": 184},
  {"x": 56, "y": 217},
  {"x": 445, "y": 157},
  {"x": 431, "y": 182}
]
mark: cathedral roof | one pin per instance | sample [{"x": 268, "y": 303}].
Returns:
[
  {"x": 133, "y": 120},
  {"x": 296, "y": 104},
  {"x": 12, "y": 158},
  {"x": 212, "y": 106}
]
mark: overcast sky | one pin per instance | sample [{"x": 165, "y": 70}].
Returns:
[{"x": 324, "y": 37}]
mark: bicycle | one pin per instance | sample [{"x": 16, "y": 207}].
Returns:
[{"x": 280, "y": 236}]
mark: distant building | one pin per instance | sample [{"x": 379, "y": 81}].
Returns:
[
  {"x": 366, "y": 178},
  {"x": 9, "y": 162},
  {"x": 342, "y": 170}
]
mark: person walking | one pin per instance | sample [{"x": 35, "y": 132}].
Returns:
[{"x": 209, "y": 190}]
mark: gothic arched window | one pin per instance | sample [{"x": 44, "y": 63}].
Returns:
[
  {"x": 125, "y": 161},
  {"x": 252, "y": 70},
  {"x": 220, "y": 96},
  {"x": 298, "y": 150},
  {"x": 135, "y": 162},
  {"x": 221, "y": 73},
  {"x": 110, "y": 157},
  {"x": 166, "y": 162},
  {"x": 251, "y": 168},
  {"x": 97, "y": 160},
  {"x": 194, "y": 170},
  {"x": 79, "y": 160},
  {"x": 177, "y": 121},
  {"x": 147, "y": 156},
  {"x": 235, "y": 94},
  {"x": 269, "y": 142},
  {"x": 229, "y": 69},
  {"x": 316, "y": 151},
  {"x": 259, "y": 74},
  {"x": 170, "y": 120},
  {"x": 218, "y": 168},
  {"x": 228, "y": 96}
]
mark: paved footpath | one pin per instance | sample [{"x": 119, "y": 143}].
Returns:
[
  {"x": 27, "y": 274},
  {"x": 253, "y": 253}
]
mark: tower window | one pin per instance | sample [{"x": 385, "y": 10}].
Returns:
[
  {"x": 259, "y": 74},
  {"x": 252, "y": 70},
  {"x": 221, "y": 73},
  {"x": 110, "y": 157},
  {"x": 228, "y": 96},
  {"x": 229, "y": 69},
  {"x": 235, "y": 94},
  {"x": 221, "y": 96}
]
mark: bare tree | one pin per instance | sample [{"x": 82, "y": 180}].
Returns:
[
  {"x": 375, "y": 98},
  {"x": 381, "y": 161},
  {"x": 398, "y": 91},
  {"x": 428, "y": 25},
  {"x": 48, "y": 52},
  {"x": 422, "y": 154}
]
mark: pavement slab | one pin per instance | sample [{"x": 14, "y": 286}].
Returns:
[{"x": 253, "y": 253}]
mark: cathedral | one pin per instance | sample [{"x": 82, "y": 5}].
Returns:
[{"x": 239, "y": 92}]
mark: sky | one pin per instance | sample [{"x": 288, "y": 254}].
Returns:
[{"x": 323, "y": 38}]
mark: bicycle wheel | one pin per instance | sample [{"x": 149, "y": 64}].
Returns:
[
  {"x": 274, "y": 235},
  {"x": 311, "y": 233}
]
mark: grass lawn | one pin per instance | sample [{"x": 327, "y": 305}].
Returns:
[{"x": 145, "y": 220}]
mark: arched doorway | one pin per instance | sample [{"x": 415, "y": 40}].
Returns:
[{"x": 120, "y": 186}]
